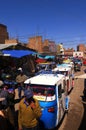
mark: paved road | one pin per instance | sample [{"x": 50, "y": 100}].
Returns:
[{"x": 76, "y": 117}]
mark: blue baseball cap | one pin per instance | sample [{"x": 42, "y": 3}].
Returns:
[{"x": 28, "y": 93}]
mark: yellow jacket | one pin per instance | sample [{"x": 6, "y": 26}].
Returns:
[{"x": 27, "y": 117}]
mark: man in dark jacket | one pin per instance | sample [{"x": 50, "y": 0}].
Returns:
[
  {"x": 5, "y": 107},
  {"x": 6, "y": 118}
]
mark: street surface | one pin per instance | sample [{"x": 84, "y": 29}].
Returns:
[{"x": 76, "y": 117}]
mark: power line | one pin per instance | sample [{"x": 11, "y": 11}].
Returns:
[{"x": 65, "y": 42}]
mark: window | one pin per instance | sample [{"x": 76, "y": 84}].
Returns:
[
  {"x": 64, "y": 73},
  {"x": 60, "y": 91},
  {"x": 43, "y": 90},
  {"x": 64, "y": 85}
]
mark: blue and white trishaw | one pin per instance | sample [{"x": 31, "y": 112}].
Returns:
[
  {"x": 50, "y": 91},
  {"x": 67, "y": 71}
]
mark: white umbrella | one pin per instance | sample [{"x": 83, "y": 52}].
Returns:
[{"x": 83, "y": 76}]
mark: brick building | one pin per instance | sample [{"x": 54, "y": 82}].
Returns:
[
  {"x": 9, "y": 41},
  {"x": 35, "y": 43},
  {"x": 41, "y": 46},
  {"x": 82, "y": 48},
  {"x": 52, "y": 46},
  {"x": 68, "y": 52},
  {"x": 45, "y": 46},
  {"x": 3, "y": 33}
]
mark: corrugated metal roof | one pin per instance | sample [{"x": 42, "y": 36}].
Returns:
[{"x": 3, "y": 46}]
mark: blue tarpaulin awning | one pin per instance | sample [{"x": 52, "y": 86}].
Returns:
[
  {"x": 51, "y": 57},
  {"x": 45, "y": 56},
  {"x": 18, "y": 53}
]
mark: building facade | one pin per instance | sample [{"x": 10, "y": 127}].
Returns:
[
  {"x": 35, "y": 43},
  {"x": 11, "y": 41},
  {"x": 82, "y": 48},
  {"x": 3, "y": 33}
]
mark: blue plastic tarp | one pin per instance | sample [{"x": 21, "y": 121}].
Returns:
[
  {"x": 51, "y": 57},
  {"x": 18, "y": 53},
  {"x": 45, "y": 57}
]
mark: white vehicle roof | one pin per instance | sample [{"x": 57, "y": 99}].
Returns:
[
  {"x": 66, "y": 65},
  {"x": 45, "y": 79},
  {"x": 61, "y": 68}
]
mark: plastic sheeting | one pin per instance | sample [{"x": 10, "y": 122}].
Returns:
[{"x": 18, "y": 53}]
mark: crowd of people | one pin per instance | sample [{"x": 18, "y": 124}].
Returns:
[{"x": 29, "y": 109}]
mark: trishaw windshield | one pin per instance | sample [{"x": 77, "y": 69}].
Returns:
[{"x": 43, "y": 93}]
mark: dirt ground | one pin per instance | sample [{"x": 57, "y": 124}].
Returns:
[{"x": 76, "y": 117}]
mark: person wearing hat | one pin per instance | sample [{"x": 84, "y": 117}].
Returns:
[
  {"x": 20, "y": 78},
  {"x": 29, "y": 112}
]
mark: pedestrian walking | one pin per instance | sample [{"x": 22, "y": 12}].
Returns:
[
  {"x": 20, "y": 78},
  {"x": 29, "y": 112},
  {"x": 4, "y": 94}
]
